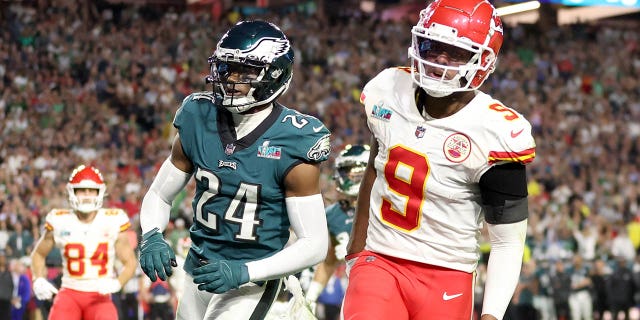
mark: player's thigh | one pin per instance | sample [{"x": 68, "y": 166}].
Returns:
[
  {"x": 436, "y": 292},
  {"x": 373, "y": 291},
  {"x": 65, "y": 306},
  {"x": 102, "y": 308},
  {"x": 193, "y": 303},
  {"x": 250, "y": 301}
]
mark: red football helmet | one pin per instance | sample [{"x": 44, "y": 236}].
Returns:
[
  {"x": 468, "y": 33},
  {"x": 86, "y": 177}
]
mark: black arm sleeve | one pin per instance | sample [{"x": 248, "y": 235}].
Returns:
[{"x": 504, "y": 193}]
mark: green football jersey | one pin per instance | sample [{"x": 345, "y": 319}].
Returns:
[
  {"x": 239, "y": 204},
  {"x": 340, "y": 217}
]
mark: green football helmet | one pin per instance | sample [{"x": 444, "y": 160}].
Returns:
[
  {"x": 349, "y": 168},
  {"x": 255, "y": 47}
]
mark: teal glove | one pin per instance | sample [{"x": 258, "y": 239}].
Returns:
[
  {"x": 221, "y": 276},
  {"x": 156, "y": 256}
]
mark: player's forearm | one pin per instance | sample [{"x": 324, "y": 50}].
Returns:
[
  {"x": 128, "y": 271},
  {"x": 38, "y": 269},
  {"x": 300, "y": 255},
  {"x": 503, "y": 270},
  {"x": 309, "y": 223},
  {"x": 323, "y": 272},
  {"x": 358, "y": 237}
]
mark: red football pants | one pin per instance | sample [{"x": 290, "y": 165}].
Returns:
[
  {"x": 79, "y": 305},
  {"x": 383, "y": 287}
]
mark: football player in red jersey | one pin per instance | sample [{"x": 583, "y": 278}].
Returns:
[
  {"x": 445, "y": 159},
  {"x": 90, "y": 238}
]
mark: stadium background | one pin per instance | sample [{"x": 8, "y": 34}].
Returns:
[{"x": 98, "y": 82}]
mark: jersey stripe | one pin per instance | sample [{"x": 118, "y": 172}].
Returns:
[
  {"x": 523, "y": 157},
  {"x": 125, "y": 226}
]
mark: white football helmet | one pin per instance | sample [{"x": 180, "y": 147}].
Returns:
[
  {"x": 468, "y": 32},
  {"x": 86, "y": 177}
]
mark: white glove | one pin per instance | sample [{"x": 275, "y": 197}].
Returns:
[
  {"x": 299, "y": 307},
  {"x": 43, "y": 289},
  {"x": 314, "y": 291},
  {"x": 110, "y": 286},
  {"x": 341, "y": 247}
]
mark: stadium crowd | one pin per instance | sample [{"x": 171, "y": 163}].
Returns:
[{"x": 103, "y": 90}]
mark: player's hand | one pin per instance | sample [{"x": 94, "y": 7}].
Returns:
[
  {"x": 221, "y": 276},
  {"x": 156, "y": 256},
  {"x": 299, "y": 306},
  {"x": 43, "y": 289},
  {"x": 341, "y": 248},
  {"x": 488, "y": 317},
  {"x": 110, "y": 286}
]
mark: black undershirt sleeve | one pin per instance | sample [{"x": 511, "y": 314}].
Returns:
[{"x": 504, "y": 193}]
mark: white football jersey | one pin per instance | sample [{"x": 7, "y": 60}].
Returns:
[
  {"x": 426, "y": 202},
  {"x": 88, "y": 249}
]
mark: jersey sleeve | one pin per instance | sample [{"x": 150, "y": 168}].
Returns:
[
  {"x": 119, "y": 218},
  {"x": 313, "y": 141},
  {"x": 511, "y": 137},
  {"x": 194, "y": 114},
  {"x": 378, "y": 115},
  {"x": 190, "y": 107},
  {"x": 53, "y": 219}
]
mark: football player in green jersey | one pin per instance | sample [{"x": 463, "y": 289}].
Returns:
[
  {"x": 256, "y": 167},
  {"x": 348, "y": 172}
]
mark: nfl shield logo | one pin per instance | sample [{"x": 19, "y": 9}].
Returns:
[
  {"x": 420, "y": 131},
  {"x": 229, "y": 149}
]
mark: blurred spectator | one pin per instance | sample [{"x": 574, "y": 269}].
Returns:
[
  {"x": 21, "y": 289},
  {"x": 543, "y": 300},
  {"x": 159, "y": 296},
  {"x": 20, "y": 242},
  {"x": 6, "y": 283},
  {"x": 4, "y": 234},
  {"x": 600, "y": 274},
  {"x": 580, "y": 301},
  {"x": 587, "y": 240},
  {"x": 525, "y": 291},
  {"x": 622, "y": 247},
  {"x": 621, "y": 289},
  {"x": 179, "y": 232},
  {"x": 561, "y": 284}
]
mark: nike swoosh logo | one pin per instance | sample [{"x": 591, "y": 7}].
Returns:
[
  {"x": 317, "y": 129},
  {"x": 517, "y": 133},
  {"x": 446, "y": 297}
]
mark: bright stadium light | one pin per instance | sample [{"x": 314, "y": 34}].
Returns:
[{"x": 518, "y": 8}]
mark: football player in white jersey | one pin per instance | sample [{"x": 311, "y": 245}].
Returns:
[
  {"x": 90, "y": 238},
  {"x": 445, "y": 159}
]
